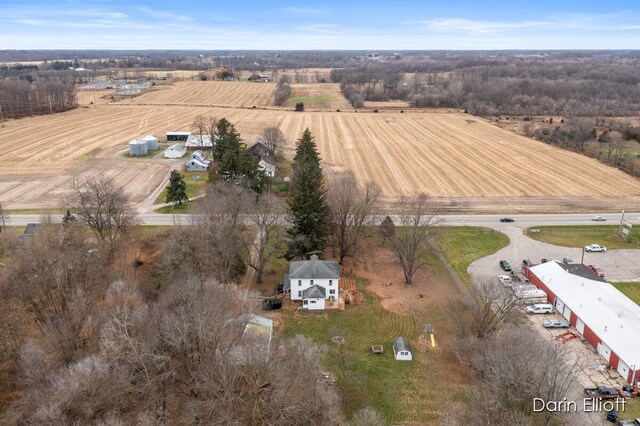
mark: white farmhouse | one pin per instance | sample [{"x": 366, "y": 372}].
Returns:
[
  {"x": 313, "y": 281},
  {"x": 267, "y": 168},
  {"x": 197, "y": 162}
]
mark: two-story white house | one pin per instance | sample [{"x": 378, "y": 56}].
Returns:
[{"x": 313, "y": 281}]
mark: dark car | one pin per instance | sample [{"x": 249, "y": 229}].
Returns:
[
  {"x": 506, "y": 219},
  {"x": 505, "y": 265},
  {"x": 545, "y": 260}
]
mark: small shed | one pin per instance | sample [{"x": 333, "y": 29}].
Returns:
[
  {"x": 267, "y": 168},
  {"x": 175, "y": 151},
  {"x": 137, "y": 147},
  {"x": 178, "y": 136},
  {"x": 402, "y": 349},
  {"x": 152, "y": 142}
]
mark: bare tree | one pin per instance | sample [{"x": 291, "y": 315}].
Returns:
[
  {"x": 104, "y": 207},
  {"x": 367, "y": 416},
  {"x": 201, "y": 127},
  {"x": 351, "y": 211},
  {"x": 221, "y": 228},
  {"x": 491, "y": 307},
  {"x": 410, "y": 240},
  {"x": 265, "y": 215},
  {"x": 272, "y": 137}
]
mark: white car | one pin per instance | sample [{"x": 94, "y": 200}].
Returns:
[
  {"x": 505, "y": 280},
  {"x": 542, "y": 308},
  {"x": 595, "y": 247},
  {"x": 599, "y": 219}
]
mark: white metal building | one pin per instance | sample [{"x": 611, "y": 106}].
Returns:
[
  {"x": 607, "y": 319},
  {"x": 199, "y": 141},
  {"x": 178, "y": 136},
  {"x": 175, "y": 151},
  {"x": 402, "y": 349}
]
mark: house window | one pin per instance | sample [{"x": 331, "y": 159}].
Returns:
[
  {"x": 306, "y": 302},
  {"x": 311, "y": 282},
  {"x": 299, "y": 283},
  {"x": 313, "y": 301},
  {"x": 330, "y": 283},
  {"x": 332, "y": 292},
  {"x": 299, "y": 293}
]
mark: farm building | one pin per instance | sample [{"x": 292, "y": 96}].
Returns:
[
  {"x": 175, "y": 151},
  {"x": 255, "y": 334},
  {"x": 178, "y": 136},
  {"x": 259, "y": 150},
  {"x": 313, "y": 281},
  {"x": 199, "y": 141},
  {"x": 137, "y": 147},
  {"x": 152, "y": 142},
  {"x": 198, "y": 162},
  {"x": 604, "y": 316},
  {"x": 268, "y": 168},
  {"x": 402, "y": 349}
]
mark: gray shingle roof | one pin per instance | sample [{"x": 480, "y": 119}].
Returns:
[
  {"x": 401, "y": 344},
  {"x": 314, "y": 269},
  {"x": 314, "y": 292}
]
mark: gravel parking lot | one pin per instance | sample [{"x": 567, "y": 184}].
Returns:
[{"x": 619, "y": 265}]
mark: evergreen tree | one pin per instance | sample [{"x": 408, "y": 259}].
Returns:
[
  {"x": 307, "y": 202},
  {"x": 177, "y": 188}
]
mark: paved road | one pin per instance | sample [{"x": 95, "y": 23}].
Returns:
[{"x": 492, "y": 221}]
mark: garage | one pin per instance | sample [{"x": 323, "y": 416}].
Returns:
[
  {"x": 559, "y": 305},
  {"x": 567, "y": 313},
  {"x": 604, "y": 351},
  {"x": 580, "y": 326},
  {"x": 623, "y": 369}
]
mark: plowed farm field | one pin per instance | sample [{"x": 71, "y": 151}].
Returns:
[
  {"x": 454, "y": 155},
  {"x": 450, "y": 155},
  {"x": 210, "y": 93}
]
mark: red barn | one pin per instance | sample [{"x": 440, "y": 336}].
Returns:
[{"x": 605, "y": 317}]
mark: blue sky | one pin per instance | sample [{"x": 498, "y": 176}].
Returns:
[{"x": 328, "y": 25}]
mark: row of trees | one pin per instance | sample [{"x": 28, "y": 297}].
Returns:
[
  {"x": 573, "y": 85},
  {"x": 282, "y": 92},
  {"x": 20, "y": 98}
]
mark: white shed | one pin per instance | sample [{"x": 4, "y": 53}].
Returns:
[
  {"x": 178, "y": 136},
  {"x": 175, "y": 151},
  {"x": 137, "y": 147},
  {"x": 152, "y": 142},
  {"x": 402, "y": 349}
]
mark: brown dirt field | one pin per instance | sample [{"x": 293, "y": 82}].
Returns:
[
  {"x": 210, "y": 93},
  {"x": 327, "y": 96},
  {"x": 98, "y": 97},
  {"x": 454, "y": 155},
  {"x": 137, "y": 177},
  {"x": 386, "y": 105}
]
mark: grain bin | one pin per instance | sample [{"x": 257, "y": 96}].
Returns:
[
  {"x": 137, "y": 148},
  {"x": 152, "y": 142}
]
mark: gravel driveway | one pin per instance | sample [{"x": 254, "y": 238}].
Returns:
[{"x": 618, "y": 265}]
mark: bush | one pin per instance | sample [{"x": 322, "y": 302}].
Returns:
[{"x": 300, "y": 106}]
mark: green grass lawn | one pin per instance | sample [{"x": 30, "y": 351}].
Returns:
[
  {"x": 631, "y": 290},
  {"x": 195, "y": 186},
  {"x": 461, "y": 245},
  {"x": 364, "y": 379},
  {"x": 580, "y": 236},
  {"x": 175, "y": 209},
  {"x": 631, "y": 409}
]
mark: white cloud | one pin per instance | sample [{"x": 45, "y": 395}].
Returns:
[
  {"x": 164, "y": 14},
  {"x": 307, "y": 10}
]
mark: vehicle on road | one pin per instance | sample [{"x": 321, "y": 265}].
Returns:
[
  {"x": 597, "y": 270},
  {"x": 568, "y": 260},
  {"x": 505, "y": 280},
  {"x": 505, "y": 265},
  {"x": 540, "y": 308},
  {"x": 526, "y": 263},
  {"x": 595, "y": 248},
  {"x": 598, "y": 219},
  {"x": 506, "y": 219},
  {"x": 545, "y": 259},
  {"x": 601, "y": 392},
  {"x": 555, "y": 324}
]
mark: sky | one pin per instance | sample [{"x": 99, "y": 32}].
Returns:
[{"x": 323, "y": 25}]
